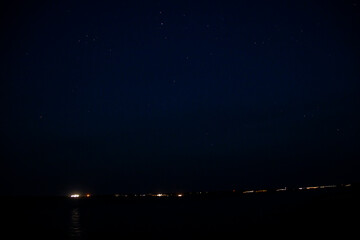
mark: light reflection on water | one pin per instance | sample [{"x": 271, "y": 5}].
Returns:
[{"x": 75, "y": 229}]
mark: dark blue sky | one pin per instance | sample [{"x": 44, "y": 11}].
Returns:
[{"x": 140, "y": 96}]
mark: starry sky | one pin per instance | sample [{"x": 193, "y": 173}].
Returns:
[{"x": 145, "y": 96}]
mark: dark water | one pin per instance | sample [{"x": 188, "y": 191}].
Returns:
[{"x": 323, "y": 214}]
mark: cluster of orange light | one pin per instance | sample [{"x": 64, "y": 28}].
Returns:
[
  {"x": 300, "y": 188},
  {"x": 245, "y": 192},
  {"x": 263, "y": 190},
  {"x": 255, "y": 191},
  {"x": 317, "y": 187}
]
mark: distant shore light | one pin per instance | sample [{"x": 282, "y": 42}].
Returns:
[
  {"x": 250, "y": 191},
  {"x": 75, "y": 195}
]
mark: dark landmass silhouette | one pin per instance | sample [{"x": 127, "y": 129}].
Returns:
[{"x": 306, "y": 212}]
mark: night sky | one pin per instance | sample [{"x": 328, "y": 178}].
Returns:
[{"x": 146, "y": 96}]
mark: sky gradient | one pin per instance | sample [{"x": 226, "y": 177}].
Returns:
[{"x": 145, "y": 96}]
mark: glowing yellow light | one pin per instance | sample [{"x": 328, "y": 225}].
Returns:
[
  {"x": 312, "y": 188},
  {"x": 87, "y": 195},
  {"x": 261, "y": 191},
  {"x": 74, "y": 195},
  {"x": 161, "y": 195},
  {"x": 180, "y": 195}
]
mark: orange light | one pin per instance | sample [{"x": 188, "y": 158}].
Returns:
[
  {"x": 87, "y": 195},
  {"x": 258, "y": 191}
]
